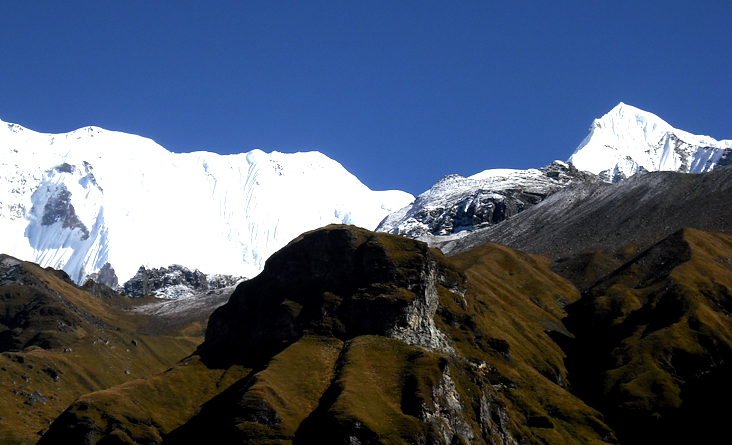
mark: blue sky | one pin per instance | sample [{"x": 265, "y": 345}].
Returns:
[{"x": 401, "y": 93}]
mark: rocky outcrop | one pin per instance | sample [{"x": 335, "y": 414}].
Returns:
[
  {"x": 340, "y": 282},
  {"x": 415, "y": 324},
  {"x": 175, "y": 282},
  {"x": 446, "y": 414},
  {"x": 456, "y": 204},
  {"x": 106, "y": 276}
]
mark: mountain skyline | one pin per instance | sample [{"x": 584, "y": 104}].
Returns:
[
  {"x": 94, "y": 201},
  {"x": 441, "y": 87}
]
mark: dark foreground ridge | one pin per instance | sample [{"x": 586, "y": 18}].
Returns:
[
  {"x": 350, "y": 336},
  {"x": 355, "y": 337}
]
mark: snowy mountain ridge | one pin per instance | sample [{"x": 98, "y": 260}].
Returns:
[
  {"x": 92, "y": 197},
  {"x": 624, "y": 142},
  {"x": 456, "y": 203},
  {"x": 628, "y": 140}
]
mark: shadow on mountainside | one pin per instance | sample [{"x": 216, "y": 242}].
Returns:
[{"x": 652, "y": 342}]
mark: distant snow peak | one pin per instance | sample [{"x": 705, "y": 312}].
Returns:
[{"x": 628, "y": 140}]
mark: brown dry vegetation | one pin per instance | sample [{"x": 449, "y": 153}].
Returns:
[
  {"x": 331, "y": 380},
  {"x": 59, "y": 342},
  {"x": 640, "y": 346},
  {"x": 655, "y": 336}
]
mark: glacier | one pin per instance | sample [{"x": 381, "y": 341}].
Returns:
[
  {"x": 628, "y": 140},
  {"x": 94, "y": 198}
]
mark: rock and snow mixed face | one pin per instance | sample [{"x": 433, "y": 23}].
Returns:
[
  {"x": 82, "y": 200},
  {"x": 176, "y": 282},
  {"x": 627, "y": 140},
  {"x": 623, "y": 142},
  {"x": 456, "y": 203}
]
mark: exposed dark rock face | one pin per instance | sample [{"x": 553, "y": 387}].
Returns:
[
  {"x": 725, "y": 159},
  {"x": 641, "y": 210},
  {"x": 175, "y": 282},
  {"x": 456, "y": 204},
  {"x": 105, "y": 276},
  {"x": 340, "y": 283},
  {"x": 99, "y": 290},
  {"x": 58, "y": 207}
]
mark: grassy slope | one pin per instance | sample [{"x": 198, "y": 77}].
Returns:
[
  {"x": 87, "y": 346},
  {"x": 664, "y": 318},
  {"x": 147, "y": 408},
  {"x": 513, "y": 300},
  {"x": 368, "y": 390},
  {"x": 369, "y": 386},
  {"x": 92, "y": 365}
]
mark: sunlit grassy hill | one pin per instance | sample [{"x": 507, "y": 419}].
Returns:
[
  {"x": 58, "y": 342},
  {"x": 350, "y": 336}
]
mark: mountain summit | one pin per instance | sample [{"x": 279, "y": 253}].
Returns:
[
  {"x": 624, "y": 142},
  {"x": 95, "y": 199},
  {"x": 628, "y": 140}
]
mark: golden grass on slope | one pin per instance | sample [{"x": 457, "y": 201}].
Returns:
[
  {"x": 146, "y": 409},
  {"x": 680, "y": 309},
  {"x": 291, "y": 385},
  {"x": 98, "y": 361},
  {"x": 516, "y": 298},
  {"x": 371, "y": 380},
  {"x": 512, "y": 301},
  {"x": 92, "y": 344}
]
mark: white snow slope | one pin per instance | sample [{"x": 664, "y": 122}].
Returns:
[
  {"x": 78, "y": 200},
  {"x": 628, "y": 140}
]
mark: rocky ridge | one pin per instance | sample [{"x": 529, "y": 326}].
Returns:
[
  {"x": 455, "y": 203},
  {"x": 175, "y": 282},
  {"x": 640, "y": 210},
  {"x": 624, "y": 142}
]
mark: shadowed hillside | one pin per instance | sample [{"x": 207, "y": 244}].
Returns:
[
  {"x": 653, "y": 341},
  {"x": 354, "y": 337}
]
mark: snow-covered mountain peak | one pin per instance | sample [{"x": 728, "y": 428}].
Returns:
[
  {"x": 628, "y": 140},
  {"x": 92, "y": 197}
]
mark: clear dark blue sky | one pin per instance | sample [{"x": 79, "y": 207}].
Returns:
[{"x": 401, "y": 93}]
